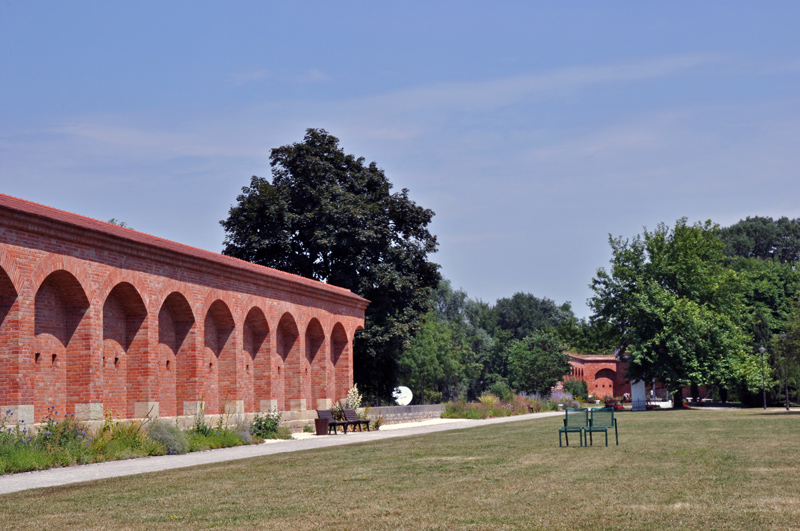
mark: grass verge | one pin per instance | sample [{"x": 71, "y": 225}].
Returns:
[{"x": 693, "y": 469}]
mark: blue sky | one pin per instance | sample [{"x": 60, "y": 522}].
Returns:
[{"x": 532, "y": 129}]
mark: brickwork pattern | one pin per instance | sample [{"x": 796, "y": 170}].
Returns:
[
  {"x": 604, "y": 375},
  {"x": 99, "y": 318}
]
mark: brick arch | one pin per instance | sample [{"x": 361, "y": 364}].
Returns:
[
  {"x": 341, "y": 368},
  {"x": 176, "y": 359},
  {"x": 120, "y": 276},
  {"x": 124, "y": 350},
  {"x": 315, "y": 370},
  {"x": 59, "y": 262},
  {"x": 604, "y": 380},
  {"x": 219, "y": 357},
  {"x": 289, "y": 362},
  {"x": 62, "y": 344},
  {"x": 9, "y": 266},
  {"x": 256, "y": 348}
]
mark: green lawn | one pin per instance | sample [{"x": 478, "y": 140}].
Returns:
[{"x": 689, "y": 469}]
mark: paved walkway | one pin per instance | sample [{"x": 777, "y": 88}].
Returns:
[{"x": 77, "y": 474}]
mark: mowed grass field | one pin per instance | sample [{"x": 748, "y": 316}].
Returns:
[{"x": 690, "y": 469}]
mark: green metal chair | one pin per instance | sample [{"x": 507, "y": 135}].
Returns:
[
  {"x": 602, "y": 419},
  {"x": 576, "y": 420}
]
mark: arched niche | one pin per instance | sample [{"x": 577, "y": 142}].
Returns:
[
  {"x": 62, "y": 344},
  {"x": 340, "y": 362},
  {"x": 257, "y": 370},
  {"x": 175, "y": 354},
  {"x": 604, "y": 383},
  {"x": 289, "y": 359},
  {"x": 124, "y": 356},
  {"x": 220, "y": 357}
]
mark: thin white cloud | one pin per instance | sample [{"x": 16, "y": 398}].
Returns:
[
  {"x": 482, "y": 95},
  {"x": 242, "y": 78},
  {"x": 311, "y": 76}
]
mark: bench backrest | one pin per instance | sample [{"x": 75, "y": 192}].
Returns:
[
  {"x": 350, "y": 415},
  {"x": 325, "y": 414},
  {"x": 576, "y": 418},
  {"x": 603, "y": 417}
]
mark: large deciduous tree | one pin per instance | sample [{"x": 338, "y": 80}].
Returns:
[
  {"x": 675, "y": 309},
  {"x": 433, "y": 359},
  {"x": 329, "y": 216},
  {"x": 537, "y": 362}
]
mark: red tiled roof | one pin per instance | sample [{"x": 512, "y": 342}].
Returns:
[{"x": 83, "y": 222}]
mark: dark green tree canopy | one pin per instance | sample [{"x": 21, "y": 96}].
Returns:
[
  {"x": 329, "y": 216},
  {"x": 537, "y": 362},
  {"x": 763, "y": 238},
  {"x": 523, "y": 314}
]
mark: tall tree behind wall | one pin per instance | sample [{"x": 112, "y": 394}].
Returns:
[{"x": 328, "y": 216}]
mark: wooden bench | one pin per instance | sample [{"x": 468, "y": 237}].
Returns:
[
  {"x": 333, "y": 424},
  {"x": 351, "y": 417},
  {"x": 575, "y": 421},
  {"x": 602, "y": 420}
]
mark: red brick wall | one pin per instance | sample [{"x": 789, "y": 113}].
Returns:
[
  {"x": 91, "y": 313},
  {"x": 604, "y": 375}
]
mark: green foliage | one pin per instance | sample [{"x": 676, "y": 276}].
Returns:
[
  {"x": 124, "y": 440},
  {"x": 523, "y": 314},
  {"x": 763, "y": 238},
  {"x": 463, "y": 347},
  {"x": 585, "y": 337},
  {"x": 328, "y": 216},
  {"x": 431, "y": 358},
  {"x": 537, "y": 362},
  {"x": 170, "y": 435},
  {"x": 433, "y": 397},
  {"x": 675, "y": 309},
  {"x": 267, "y": 426},
  {"x": 489, "y": 406},
  {"x": 786, "y": 348},
  {"x": 502, "y": 391},
  {"x": 338, "y": 411},
  {"x": 224, "y": 438},
  {"x": 577, "y": 388}
]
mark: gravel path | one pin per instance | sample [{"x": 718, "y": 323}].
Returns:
[{"x": 301, "y": 441}]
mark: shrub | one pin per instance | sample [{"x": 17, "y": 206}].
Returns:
[
  {"x": 170, "y": 435},
  {"x": 216, "y": 439},
  {"x": 488, "y": 399},
  {"x": 353, "y": 400},
  {"x": 123, "y": 440},
  {"x": 267, "y": 426},
  {"x": 502, "y": 391},
  {"x": 433, "y": 397},
  {"x": 337, "y": 411},
  {"x": 577, "y": 388}
]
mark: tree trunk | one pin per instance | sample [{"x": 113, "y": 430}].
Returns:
[{"x": 677, "y": 399}]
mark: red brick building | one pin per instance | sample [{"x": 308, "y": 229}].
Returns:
[
  {"x": 604, "y": 374},
  {"x": 96, "y": 318}
]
